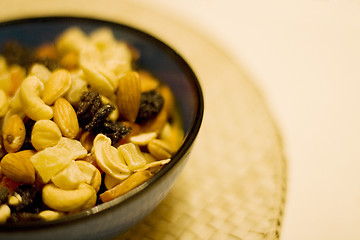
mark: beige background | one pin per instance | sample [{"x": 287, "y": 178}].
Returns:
[{"x": 305, "y": 57}]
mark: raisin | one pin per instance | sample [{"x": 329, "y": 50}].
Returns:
[
  {"x": 92, "y": 116},
  {"x": 29, "y": 124},
  {"x": 115, "y": 131},
  {"x": 15, "y": 53},
  {"x": 31, "y": 199},
  {"x": 150, "y": 105},
  {"x": 90, "y": 103},
  {"x": 50, "y": 63},
  {"x": 100, "y": 117},
  {"x": 4, "y": 194},
  {"x": 23, "y": 217}
]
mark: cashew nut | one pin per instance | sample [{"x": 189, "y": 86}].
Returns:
[
  {"x": 78, "y": 86},
  {"x": 132, "y": 155},
  {"x": 97, "y": 80},
  {"x": 69, "y": 200},
  {"x": 33, "y": 106},
  {"x": 40, "y": 71},
  {"x": 91, "y": 174},
  {"x": 108, "y": 158}
]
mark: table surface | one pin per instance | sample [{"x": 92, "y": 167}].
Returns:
[{"x": 304, "y": 56}]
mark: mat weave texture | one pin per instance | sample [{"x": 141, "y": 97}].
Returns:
[{"x": 234, "y": 185}]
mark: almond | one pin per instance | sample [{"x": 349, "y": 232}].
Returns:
[
  {"x": 65, "y": 117},
  {"x": 18, "y": 167},
  {"x": 58, "y": 84},
  {"x": 14, "y": 134},
  {"x": 129, "y": 96}
]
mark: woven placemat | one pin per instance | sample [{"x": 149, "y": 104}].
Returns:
[{"x": 234, "y": 184}]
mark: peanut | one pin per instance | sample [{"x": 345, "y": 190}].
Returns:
[{"x": 45, "y": 134}]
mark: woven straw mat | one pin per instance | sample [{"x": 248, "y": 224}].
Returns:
[{"x": 234, "y": 185}]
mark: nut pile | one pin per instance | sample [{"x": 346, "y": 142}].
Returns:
[{"x": 79, "y": 125}]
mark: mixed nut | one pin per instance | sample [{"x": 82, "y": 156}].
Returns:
[{"x": 80, "y": 125}]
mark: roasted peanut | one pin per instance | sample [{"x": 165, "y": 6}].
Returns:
[
  {"x": 160, "y": 149},
  {"x": 45, "y": 133},
  {"x": 49, "y": 215},
  {"x": 5, "y": 213},
  {"x": 143, "y": 139}
]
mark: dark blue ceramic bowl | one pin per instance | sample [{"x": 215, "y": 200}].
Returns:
[{"x": 110, "y": 219}]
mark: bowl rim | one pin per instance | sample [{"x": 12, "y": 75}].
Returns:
[{"x": 177, "y": 157}]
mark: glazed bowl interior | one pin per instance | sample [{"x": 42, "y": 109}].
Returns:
[{"x": 155, "y": 56}]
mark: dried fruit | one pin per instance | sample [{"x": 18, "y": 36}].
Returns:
[
  {"x": 15, "y": 53},
  {"x": 91, "y": 174},
  {"x": 4, "y": 195},
  {"x": 52, "y": 160},
  {"x": 69, "y": 178},
  {"x": 151, "y": 104},
  {"x": 93, "y": 114},
  {"x": 30, "y": 199}
]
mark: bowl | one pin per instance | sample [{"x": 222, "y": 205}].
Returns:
[{"x": 110, "y": 219}]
